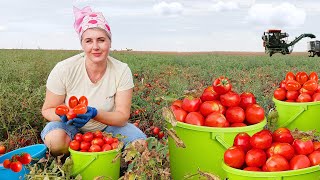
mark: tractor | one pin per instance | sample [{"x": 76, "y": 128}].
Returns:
[{"x": 275, "y": 41}]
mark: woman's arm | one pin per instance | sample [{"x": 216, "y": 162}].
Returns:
[
  {"x": 50, "y": 103},
  {"x": 120, "y": 116}
]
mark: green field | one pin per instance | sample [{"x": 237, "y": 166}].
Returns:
[{"x": 158, "y": 77}]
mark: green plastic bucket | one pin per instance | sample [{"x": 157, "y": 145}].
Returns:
[
  {"x": 204, "y": 149},
  {"x": 94, "y": 164},
  {"x": 304, "y": 116},
  {"x": 309, "y": 173}
]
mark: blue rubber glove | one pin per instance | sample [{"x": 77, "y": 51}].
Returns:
[
  {"x": 64, "y": 119},
  {"x": 82, "y": 119}
]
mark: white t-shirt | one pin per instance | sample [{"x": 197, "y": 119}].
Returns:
[{"x": 70, "y": 78}]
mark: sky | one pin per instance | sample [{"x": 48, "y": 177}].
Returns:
[{"x": 160, "y": 25}]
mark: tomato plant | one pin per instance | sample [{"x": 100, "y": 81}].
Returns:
[
  {"x": 222, "y": 85},
  {"x": 234, "y": 157}
]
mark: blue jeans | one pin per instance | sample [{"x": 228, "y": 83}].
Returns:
[{"x": 130, "y": 131}]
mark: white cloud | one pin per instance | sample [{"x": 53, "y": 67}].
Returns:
[
  {"x": 3, "y": 28},
  {"x": 281, "y": 15},
  {"x": 168, "y": 9},
  {"x": 224, "y": 6}
]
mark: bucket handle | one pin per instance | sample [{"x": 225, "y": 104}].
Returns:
[
  {"x": 219, "y": 138},
  {"x": 85, "y": 166},
  {"x": 289, "y": 121}
]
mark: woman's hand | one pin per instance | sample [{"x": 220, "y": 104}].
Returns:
[{"x": 82, "y": 119}]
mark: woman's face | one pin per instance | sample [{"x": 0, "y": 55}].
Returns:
[{"x": 96, "y": 44}]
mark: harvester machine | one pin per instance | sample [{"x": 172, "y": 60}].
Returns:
[{"x": 275, "y": 41}]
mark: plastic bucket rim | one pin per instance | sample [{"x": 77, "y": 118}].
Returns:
[
  {"x": 235, "y": 171},
  {"x": 223, "y": 130},
  {"x": 295, "y": 103},
  {"x": 91, "y": 153}
]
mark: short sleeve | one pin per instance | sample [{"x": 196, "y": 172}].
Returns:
[
  {"x": 55, "y": 82},
  {"x": 126, "y": 80}
]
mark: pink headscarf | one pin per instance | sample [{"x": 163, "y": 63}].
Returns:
[{"x": 85, "y": 19}]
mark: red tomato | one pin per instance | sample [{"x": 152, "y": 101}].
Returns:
[
  {"x": 16, "y": 166},
  {"x": 222, "y": 85},
  {"x": 246, "y": 99},
  {"x": 208, "y": 107},
  {"x": 280, "y": 94},
  {"x": 235, "y": 114},
  {"x": 97, "y": 141},
  {"x": 303, "y": 147},
  {"x": 299, "y": 162},
  {"x": 254, "y": 114},
  {"x": 78, "y": 137},
  {"x": 234, "y": 157},
  {"x": 284, "y": 149},
  {"x": 180, "y": 114},
  {"x": 255, "y": 158},
  {"x": 95, "y": 148},
  {"x": 174, "y": 107},
  {"x": 238, "y": 125},
  {"x": 88, "y": 136},
  {"x": 303, "y": 90},
  {"x": 282, "y": 135},
  {"x": 156, "y": 130},
  {"x": 80, "y": 109},
  {"x": 115, "y": 145},
  {"x": 293, "y": 85},
  {"x": 221, "y": 107},
  {"x": 2, "y": 149},
  {"x": 283, "y": 84},
  {"x": 106, "y": 147},
  {"x": 73, "y": 102},
  {"x": 62, "y": 110},
  {"x": 74, "y": 145},
  {"x": 313, "y": 76},
  {"x": 314, "y": 158},
  {"x": 316, "y": 145},
  {"x": 161, "y": 134},
  {"x": 290, "y": 76},
  {"x": 302, "y": 77},
  {"x": 108, "y": 140},
  {"x": 25, "y": 158},
  {"x": 70, "y": 115},
  {"x": 84, "y": 145},
  {"x": 98, "y": 134},
  {"x": 6, "y": 163},
  {"x": 310, "y": 85},
  {"x": 269, "y": 151},
  {"x": 177, "y": 103},
  {"x": 292, "y": 95},
  {"x": 261, "y": 139},
  {"x": 230, "y": 99},
  {"x": 209, "y": 94},
  {"x": 242, "y": 140},
  {"x": 216, "y": 119},
  {"x": 277, "y": 163},
  {"x": 252, "y": 169},
  {"x": 304, "y": 97},
  {"x": 83, "y": 100},
  {"x": 316, "y": 97},
  {"x": 191, "y": 104},
  {"x": 195, "y": 118}
]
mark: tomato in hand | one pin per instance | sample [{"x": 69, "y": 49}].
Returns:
[
  {"x": 70, "y": 115},
  {"x": 261, "y": 139},
  {"x": 209, "y": 107},
  {"x": 277, "y": 163},
  {"x": 16, "y": 166},
  {"x": 235, "y": 114},
  {"x": 195, "y": 118},
  {"x": 242, "y": 140},
  {"x": 255, "y": 158},
  {"x": 282, "y": 135},
  {"x": 314, "y": 76},
  {"x": 221, "y": 85},
  {"x": 290, "y": 76},
  {"x": 25, "y": 158},
  {"x": 299, "y": 161},
  {"x": 62, "y": 110},
  {"x": 216, "y": 119},
  {"x": 80, "y": 109},
  {"x": 83, "y": 100},
  {"x": 293, "y": 85},
  {"x": 304, "y": 147},
  {"x": 234, "y": 157},
  {"x": 191, "y": 104},
  {"x": 302, "y": 77},
  {"x": 246, "y": 99},
  {"x": 230, "y": 99},
  {"x": 280, "y": 94},
  {"x": 73, "y": 102},
  {"x": 254, "y": 114},
  {"x": 310, "y": 85}
]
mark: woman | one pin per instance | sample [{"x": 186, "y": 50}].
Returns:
[{"x": 106, "y": 82}]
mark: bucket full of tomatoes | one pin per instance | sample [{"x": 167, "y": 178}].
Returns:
[
  {"x": 16, "y": 171},
  {"x": 297, "y": 101},
  {"x": 207, "y": 126},
  {"x": 95, "y": 154}
]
